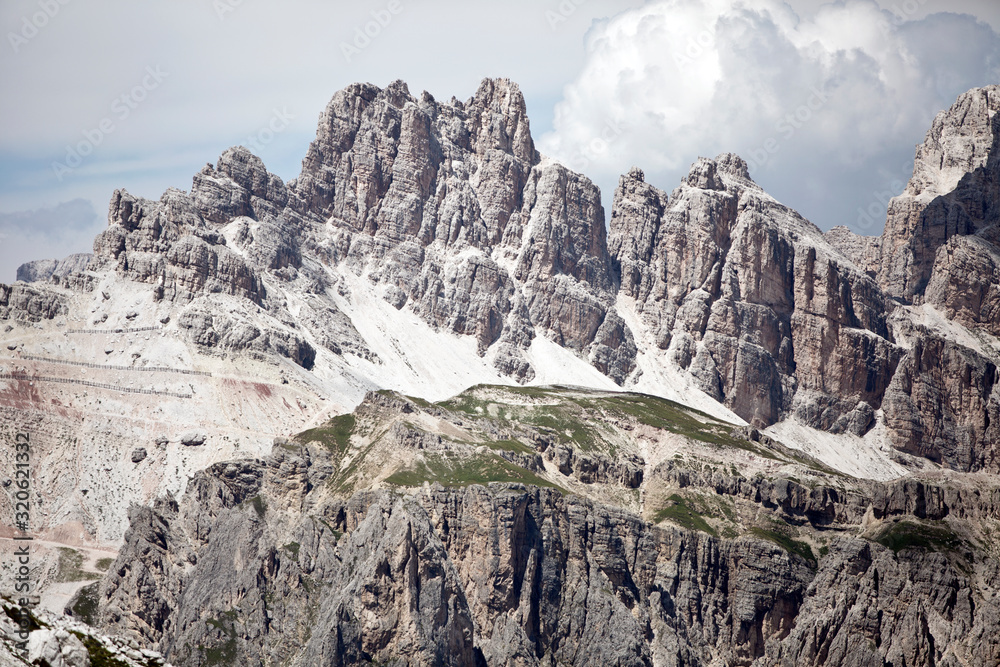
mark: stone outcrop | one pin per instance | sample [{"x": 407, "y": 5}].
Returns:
[
  {"x": 954, "y": 191},
  {"x": 169, "y": 244},
  {"x": 216, "y": 331},
  {"x": 594, "y": 468},
  {"x": 29, "y": 303},
  {"x": 941, "y": 403},
  {"x": 751, "y": 300},
  {"x": 259, "y": 563},
  {"x": 42, "y": 270},
  {"x": 451, "y": 209},
  {"x": 58, "y": 641}
]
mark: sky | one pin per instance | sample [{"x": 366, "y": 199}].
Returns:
[{"x": 826, "y": 101}]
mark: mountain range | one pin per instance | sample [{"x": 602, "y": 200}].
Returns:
[{"x": 422, "y": 405}]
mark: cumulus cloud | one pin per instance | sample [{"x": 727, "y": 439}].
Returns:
[{"x": 826, "y": 109}]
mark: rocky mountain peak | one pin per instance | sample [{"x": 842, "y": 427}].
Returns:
[
  {"x": 703, "y": 176},
  {"x": 954, "y": 192},
  {"x": 734, "y": 165},
  {"x": 961, "y": 140},
  {"x": 503, "y": 119},
  {"x": 707, "y": 174}
]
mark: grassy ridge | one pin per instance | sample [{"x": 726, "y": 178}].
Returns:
[{"x": 464, "y": 471}]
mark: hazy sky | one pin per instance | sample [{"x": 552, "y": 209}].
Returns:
[{"x": 826, "y": 101}]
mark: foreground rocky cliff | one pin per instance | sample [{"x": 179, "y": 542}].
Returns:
[{"x": 266, "y": 562}]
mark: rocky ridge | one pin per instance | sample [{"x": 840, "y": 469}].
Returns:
[
  {"x": 272, "y": 561},
  {"x": 750, "y": 299},
  {"x": 44, "y": 269},
  {"x": 445, "y": 208}
]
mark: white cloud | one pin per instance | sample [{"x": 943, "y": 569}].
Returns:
[
  {"x": 46, "y": 233},
  {"x": 825, "y": 108}
]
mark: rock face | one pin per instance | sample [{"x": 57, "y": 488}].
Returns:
[
  {"x": 954, "y": 192},
  {"x": 838, "y": 331},
  {"x": 29, "y": 303},
  {"x": 965, "y": 284},
  {"x": 42, "y": 270},
  {"x": 751, "y": 300},
  {"x": 941, "y": 403},
  {"x": 452, "y": 211},
  {"x": 259, "y": 563}
]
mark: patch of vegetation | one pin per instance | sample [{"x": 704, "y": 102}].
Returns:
[
  {"x": 724, "y": 507},
  {"x": 336, "y": 533},
  {"x": 510, "y": 446},
  {"x": 533, "y": 392},
  {"x": 466, "y": 404},
  {"x": 683, "y": 514},
  {"x": 419, "y": 401},
  {"x": 224, "y": 654},
  {"x": 567, "y": 422},
  {"x": 69, "y": 567},
  {"x": 335, "y": 435},
  {"x": 912, "y": 535},
  {"x": 104, "y": 563},
  {"x": 99, "y": 655},
  {"x": 341, "y": 482},
  {"x": 575, "y": 417},
  {"x": 258, "y": 504},
  {"x": 565, "y": 419},
  {"x": 85, "y": 606},
  {"x": 785, "y": 542},
  {"x": 464, "y": 471},
  {"x": 293, "y": 549},
  {"x": 670, "y": 416}
]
